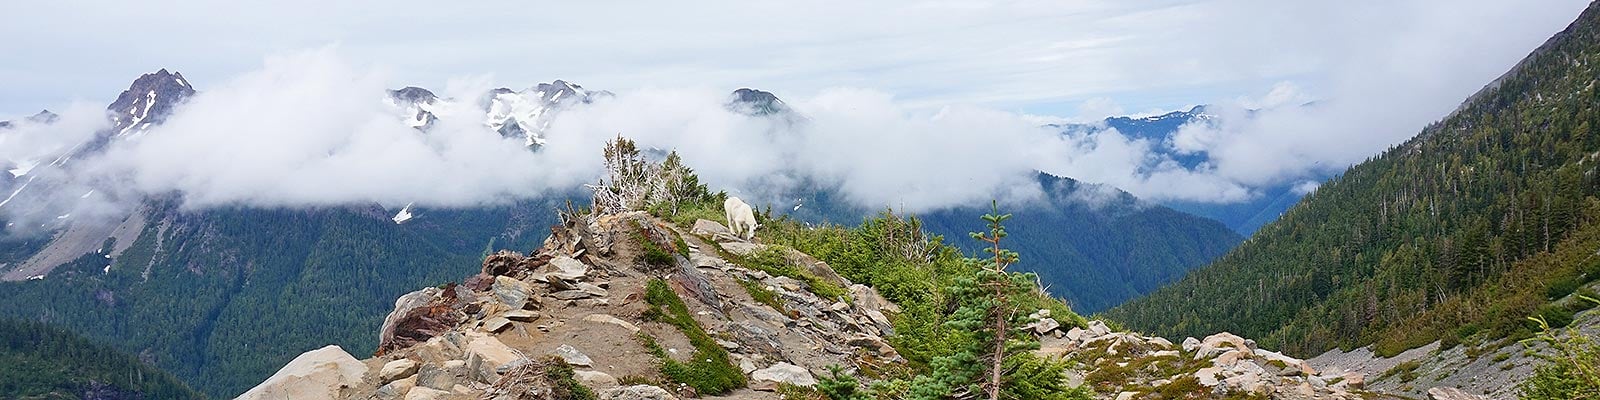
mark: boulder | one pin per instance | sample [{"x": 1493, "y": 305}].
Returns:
[
  {"x": 396, "y": 389},
  {"x": 1045, "y": 325},
  {"x": 701, "y": 260},
  {"x": 402, "y": 307},
  {"x": 637, "y": 392},
  {"x": 595, "y": 379},
  {"x": 1076, "y": 334},
  {"x": 1098, "y": 328},
  {"x": 496, "y": 324},
  {"x": 742, "y": 248},
  {"x": 572, "y": 356},
  {"x": 567, "y": 268},
  {"x": 1161, "y": 341},
  {"x": 1354, "y": 380},
  {"x": 591, "y": 289},
  {"x": 493, "y": 352},
  {"x": 1450, "y": 393},
  {"x": 768, "y": 378},
  {"x": 426, "y": 393},
  {"x": 1191, "y": 344},
  {"x": 505, "y": 262},
  {"x": 397, "y": 369},
  {"x": 713, "y": 230},
  {"x": 323, "y": 373},
  {"x": 512, "y": 292},
  {"x": 444, "y": 376},
  {"x": 1219, "y": 343}
]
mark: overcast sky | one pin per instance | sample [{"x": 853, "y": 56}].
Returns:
[
  {"x": 931, "y": 80},
  {"x": 1041, "y": 57}
]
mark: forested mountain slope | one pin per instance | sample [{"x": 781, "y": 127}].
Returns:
[
  {"x": 221, "y": 297},
  {"x": 1460, "y": 232},
  {"x": 38, "y": 361}
]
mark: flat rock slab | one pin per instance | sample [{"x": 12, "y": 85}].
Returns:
[{"x": 572, "y": 356}]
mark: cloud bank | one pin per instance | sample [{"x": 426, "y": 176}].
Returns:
[{"x": 310, "y": 128}]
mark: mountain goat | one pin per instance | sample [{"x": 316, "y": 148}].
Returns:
[{"x": 741, "y": 218}]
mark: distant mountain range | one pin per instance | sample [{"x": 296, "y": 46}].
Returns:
[{"x": 1244, "y": 217}]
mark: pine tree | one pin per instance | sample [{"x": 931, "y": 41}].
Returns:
[{"x": 994, "y": 359}]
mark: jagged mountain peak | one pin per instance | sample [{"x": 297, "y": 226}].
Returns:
[
  {"x": 42, "y": 117},
  {"x": 527, "y": 113},
  {"x": 148, "y": 101},
  {"x": 417, "y": 103},
  {"x": 413, "y": 94},
  {"x": 757, "y": 102}
]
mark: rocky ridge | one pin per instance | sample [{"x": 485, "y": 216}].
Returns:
[{"x": 580, "y": 299}]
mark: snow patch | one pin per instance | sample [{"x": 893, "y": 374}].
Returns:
[
  {"x": 23, "y": 168},
  {"x": 403, "y": 216}
]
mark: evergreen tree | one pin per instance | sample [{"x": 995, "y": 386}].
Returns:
[{"x": 992, "y": 359}]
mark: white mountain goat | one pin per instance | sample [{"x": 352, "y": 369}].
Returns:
[{"x": 741, "y": 218}]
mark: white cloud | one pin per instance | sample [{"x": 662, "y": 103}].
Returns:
[{"x": 308, "y": 129}]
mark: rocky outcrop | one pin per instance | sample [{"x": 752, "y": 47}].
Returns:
[
  {"x": 1121, "y": 364},
  {"x": 324, "y": 373},
  {"x": 579, "y": 301}
]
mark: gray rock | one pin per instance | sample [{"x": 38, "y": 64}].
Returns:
[
  {"x": 521, "y": 315},
  {"x": 572, "y": 356},
  {"x": 496, "y": 324},
  {"x": 571, "y": 294},
  {"x": 637, "y": 392},
  {"x": 742, "y": 248},
  {"x": 1191, "y": 344},
  {"x": 592, "y": 289},
  {"x": 1045, "y": 325},
  {"x": 768, "y": 378},
  {"x": 442, "y": 377},
  {"x": 512, "y": 292},
  {"x": 568, "y": 268},
  {"x": 1099, "y": 328},
  {"x": 396, "y": 389}
]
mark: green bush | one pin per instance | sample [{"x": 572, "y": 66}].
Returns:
[{"x": 1572, "y": 371}]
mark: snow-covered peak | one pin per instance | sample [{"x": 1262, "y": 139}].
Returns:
[
  {"x": 527, "y": 113},
  {"x": 148, "y": 101},
  {"x": 417, "y": 105}
]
